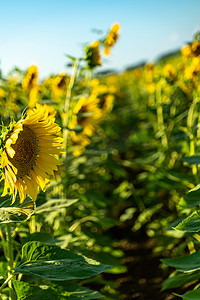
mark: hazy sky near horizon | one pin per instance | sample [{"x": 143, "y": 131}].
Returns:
[{"x": 41, "y": 32}]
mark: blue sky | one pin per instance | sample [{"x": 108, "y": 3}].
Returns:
[{"x": 41, "y": 32}]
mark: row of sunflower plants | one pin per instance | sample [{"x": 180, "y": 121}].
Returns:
[
  {"x": 187, "y": 225},
  {"x": 43, "y": 170},
  {"x": 160, "y": 150}
]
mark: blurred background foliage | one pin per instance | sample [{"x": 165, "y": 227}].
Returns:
[{"x": 124, "y": 173}]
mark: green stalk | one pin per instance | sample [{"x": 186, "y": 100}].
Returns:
[
  {"x": 32, "y": 224},
  {"x": 190, "y": 121},
  {"x": 5, "y": 283},
  {"x": 3, "y": 243},
  {"x": 67, "y": 102},
  {"x": 160, "y": 118},
  {"x": 88, "y": 77},
  {"x": 10, "y": 259}
]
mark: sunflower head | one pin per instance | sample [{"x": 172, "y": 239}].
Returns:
[
  {"x": 170, "y": 73},
  {"x": 59, "y": 86},
  {"x": 78, "y": 142},
  {"x": 195, "y": 48},
  {"x": 111, "y": 38},
  {"x": 86, "y": 114},
  {"x": 92, "y": 54},
  {"x": 192, "y": 71},
  {"x": 29, "y": 154},
  {"x": 34, "y": 96},
  {"x": 31, "y": 78}
]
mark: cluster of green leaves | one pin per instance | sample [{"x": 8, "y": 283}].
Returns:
[{"x": 41, "y": 267}]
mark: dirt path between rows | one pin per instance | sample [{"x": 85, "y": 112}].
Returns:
[{"x": 144, "y": 276}]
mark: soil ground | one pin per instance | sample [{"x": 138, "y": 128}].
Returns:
[{"x": 144, "y": 276}]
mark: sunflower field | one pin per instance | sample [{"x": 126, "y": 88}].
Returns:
[{"x": 100, "y": 185}]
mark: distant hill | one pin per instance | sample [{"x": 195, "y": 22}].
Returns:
[
  {"x": 167, "y": 56},
  {"x": 162, "y": 59},
  {"x": 136, "y": 66}
]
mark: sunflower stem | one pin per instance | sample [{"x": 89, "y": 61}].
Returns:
[
  {"x": 160, "y": 117},
  {"x": 67, "y": 102},
  {"x": 3, "y": 243},
  {"x": 10, "y": 260},
  {"x": 88, "y": 77},
  {"x": 190, "y": 123},
  {"x": 32, "y": 224},
  {"x": 5, "y": 283}
]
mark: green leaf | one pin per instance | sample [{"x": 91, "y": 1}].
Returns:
[
  {"x": 17, "y": 212},
  {"x": 192, "y": 295},
  {"x": 54, "y": 204},
  {"x": 192, "y": 160},
  {"x": 191, "y": 223},
  {"x": 4, "y": 269},
  {"x": 145, "y": 216},
  {"x": 44, "y": 237},
  {"x": 59, "y": 291},
  {"x": 5, "y": 201},
  {"x": 26, "y": 291},
  {"x": 192, "y": 198},
  {"x": 76, "y": 291},
  {"x": 50, "y": 262},
  {"x": 179, "y": 279},
  {"x": 185, "y": 263},
  {"x": 72, "y": 58}
]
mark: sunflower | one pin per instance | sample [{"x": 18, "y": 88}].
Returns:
[
  {"x": 86, "y": 114},
  {"x": 78, "y": 143},
  {"x": 169, "y": 73},
  {"x": 111, "y": 38},
  {"x": 192, "y": 50},
  {"x": 34, "y": 96},
  {"x": 192, "y": 71},
  {"x": 59, "y": 86},
  {"x": 29, "y": 153},
  {"x": 85, "y": 118},
  {"x": 105, "y": 94},
  {"x": 93, "y": 57},
  {"x": 186, "y": 52},
  {"x": 31, "y": 78},
  {"x": 195, "y": 47}
]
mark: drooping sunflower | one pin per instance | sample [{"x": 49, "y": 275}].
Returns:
[
  {"x": 85, "y": 118},
  {"x": 92, "y": 53},
  {"x": 195, "y": 48},
  {"x": 78, "y": 143},
  {"x": 30, "y": 153},
  {"x": 186, "y": 52},
  {"x": 192, "y": 71},
  {"x": 192, "y": 50},
  {"x": 34, "y": 96},
  {"x": 169, "y": 73},
  {"x": 86, "y": 114},
  {"x": 105, "y": 94},
  {"x": 31, "y": 78},
  {"x": 59, "y": 86},
  {"x": 111, "y": 38}
]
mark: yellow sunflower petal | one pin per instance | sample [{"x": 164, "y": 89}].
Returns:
[
  {"x": 39, "y": 171},
  {"x": 32, "y": 188},
  {"x": 10, "y": 151},
  {"x": 4, "y": 159},
  {"x": 41, "y": 182}
]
